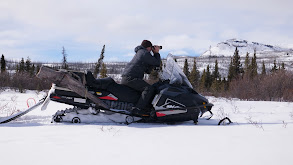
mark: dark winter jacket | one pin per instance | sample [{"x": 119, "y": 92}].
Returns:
[{"x": 142, "y": 62}]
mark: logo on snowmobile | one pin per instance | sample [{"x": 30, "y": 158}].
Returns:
[{"x": 171, "y": 104}]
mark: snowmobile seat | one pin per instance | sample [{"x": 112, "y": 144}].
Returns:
[{"x": 124, "y": 93}]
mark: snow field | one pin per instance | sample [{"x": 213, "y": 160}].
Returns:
[{"x": 261, "y": 134}]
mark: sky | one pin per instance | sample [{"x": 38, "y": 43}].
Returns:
[{"x": 39, "y": 29}]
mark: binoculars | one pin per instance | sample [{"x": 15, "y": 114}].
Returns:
[{"x": 160, "y": 47}]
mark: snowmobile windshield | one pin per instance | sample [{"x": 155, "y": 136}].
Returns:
[{"x": 173, "y": 73}]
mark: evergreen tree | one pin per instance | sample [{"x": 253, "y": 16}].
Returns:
[
  {"x": 253, "y": 66},
  {"x": 216, "y": 74},
  {"x": 208, "y": 78},
  {"x": 100, "y": 62},
  {"x": 103, "y": 73},
  {"x": 263, "y": 69},
  {"x": 3, "y": 64},
  {"x": 235, "y": 67},
  {"x": 64, "y": 59},
  {"x": 194, "y": 75},
  {"x": 274, "y": 68},
  {"x": 246, "y": 63},
  {"x": 186, "y": 69},
  {"x": 28, "y": 65},
  {"x": 21, "y": 66},
  {"x": 216, "y": 79}
]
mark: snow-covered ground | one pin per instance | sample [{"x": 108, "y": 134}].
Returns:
[{"x": 262, "y": 134}]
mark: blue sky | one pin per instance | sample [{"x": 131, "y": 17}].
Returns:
[{"x": 40, "y": 28}]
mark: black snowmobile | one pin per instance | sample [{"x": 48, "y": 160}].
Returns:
[
  {"x": 175, "y": 100},
  {"x": 103, "y": 100}
]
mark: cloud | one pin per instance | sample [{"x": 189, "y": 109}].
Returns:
[{"x": 36, "y": 27}]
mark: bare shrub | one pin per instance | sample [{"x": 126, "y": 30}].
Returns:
[
  {"x": 4, "y": 80},
  {"x": 221, "y": 113},
  {"x": 24, "y": 81},
  {"x": 9, "y": 107},
  {"x": 274, "y": 87},
  {"x": 257, "y": 124}
]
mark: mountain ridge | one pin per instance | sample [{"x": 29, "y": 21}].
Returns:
[{"x": 227, "y": 49}]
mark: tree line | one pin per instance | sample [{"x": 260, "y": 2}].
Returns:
[
  {"x": 25, "y": 73},
  {"x": 243, "y": 81}
]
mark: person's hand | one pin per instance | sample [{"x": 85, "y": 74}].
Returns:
[{"x": 155, "y": 49}]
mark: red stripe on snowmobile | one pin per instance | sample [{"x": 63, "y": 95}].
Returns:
[
  {"x": 108, "y": 98},
  {"x": 56, "y": 97},
  {"x": 160, "y": 114}
]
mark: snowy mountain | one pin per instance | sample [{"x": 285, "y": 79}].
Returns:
[{"x": 227, "y": 48}]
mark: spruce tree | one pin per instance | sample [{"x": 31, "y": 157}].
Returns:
[
  {"x": 21, "y": 66},
  {"x": 194, "y": 75},
  {"x": 253, "y": 66},
  {"x": 246, "y": 63},
  {"x": 64, "y": 59},
  {"x": 3, "y": 64},
  {"x": 236, "y": 63},
  {"x": 216, "y": 79},
  {"x": 103, "y": 71},
  {"x": 235, "y": 67},
  {"x": 216, "y": 74},
  {"x": 208, "y": 78},
  {"x": 186, "y": 69},
  {"x": 263, "y": 69},
  {"x": 100, "y": 62},
  {"x": 28, "y": 65}
]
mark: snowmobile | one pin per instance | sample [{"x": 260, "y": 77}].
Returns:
[
  {"x": 175, "y": 100},
  {"x": 104, "y": 100}
]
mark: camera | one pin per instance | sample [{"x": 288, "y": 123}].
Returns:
[{"x": 160, "y": 47}]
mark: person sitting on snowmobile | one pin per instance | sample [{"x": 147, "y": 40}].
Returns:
[{"x": 142, "y": 62}]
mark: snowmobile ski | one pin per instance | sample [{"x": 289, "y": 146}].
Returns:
[{"x": 15, "y": 116}]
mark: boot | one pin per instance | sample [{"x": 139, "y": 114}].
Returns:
[{"x": 139, "y": 112}]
